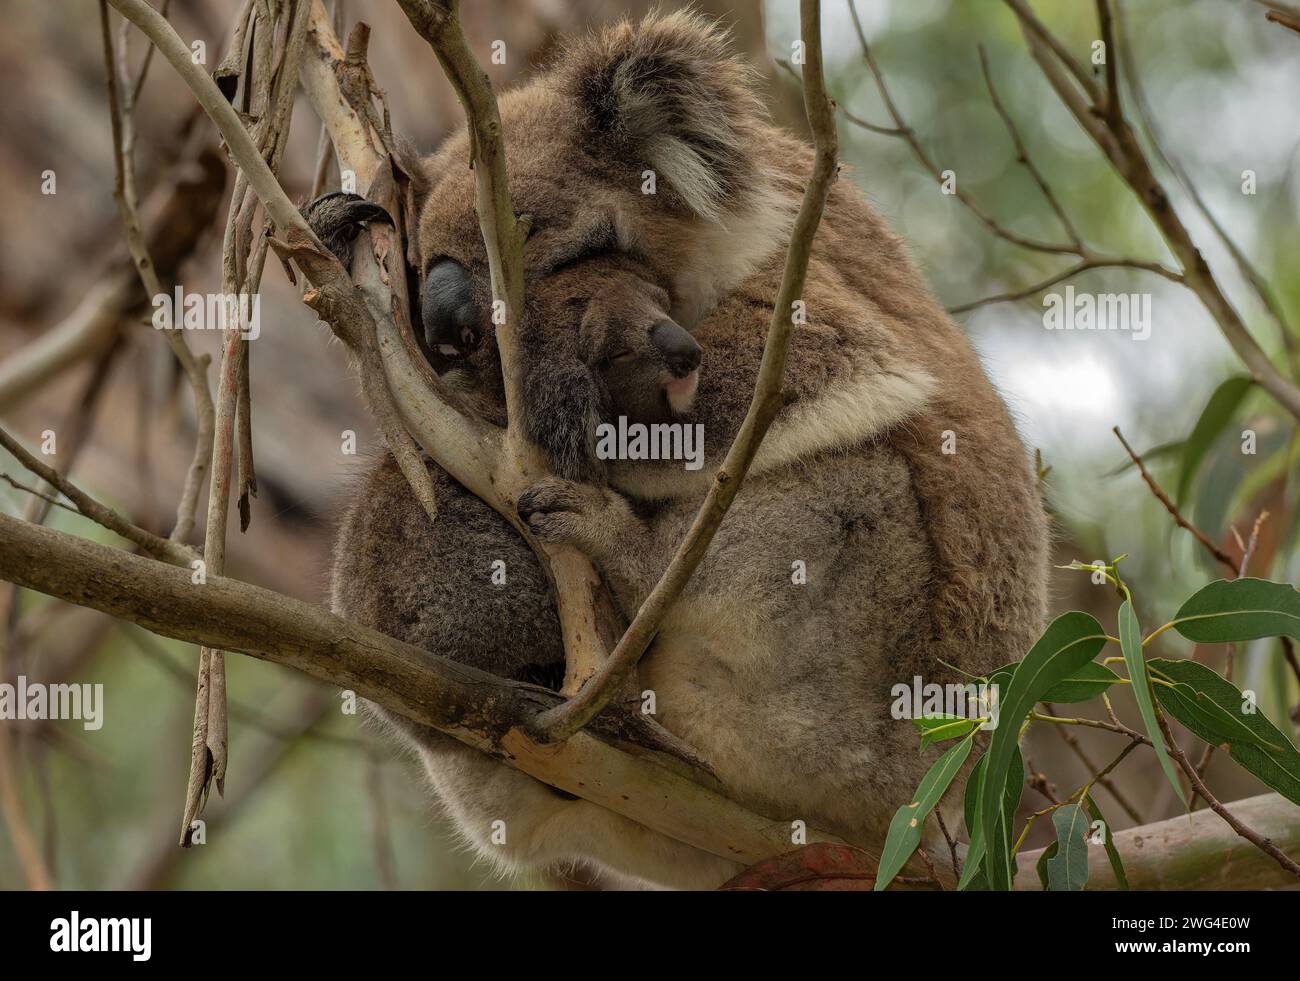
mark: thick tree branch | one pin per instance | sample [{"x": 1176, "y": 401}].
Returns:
[
  {"x": 479, "y": 709},
  {"x": 1196, "y": 852}
]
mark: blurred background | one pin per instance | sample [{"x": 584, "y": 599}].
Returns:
[{"x": 313, "y": 799}]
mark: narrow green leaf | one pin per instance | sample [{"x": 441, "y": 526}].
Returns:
[
  {"x": 1240, "y": 609},
  {"x": 1070, "y": 640},
  {"x": 1087, "y": 681},
  {"x": 938, "y": 728},
  {"x": 1130, "y": 642},
  {"x": 1151, "y": 456},
  {"x": 1112, "y": 853},
  {"x": 905, "y": 827},
  {"x": 1218, "y": 412},
  {"x": 1277, "y": 768},
  {"x": 973, "y": 872},
  {"x": 1067, "y": 870},
  {"x": 972, "y": 875}
]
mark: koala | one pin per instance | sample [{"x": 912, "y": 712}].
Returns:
[{"x": 890, "y": 525}]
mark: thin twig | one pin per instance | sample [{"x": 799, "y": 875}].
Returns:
[
  {"x": 908, "y": 135},
  {"x": 1256, "y": 839},
  {"x": 121, "y": 116},
  {"x": 1022, "y": 152},
  {"x": 1077, "y": 748},
  {"x": 160, "y": 548},
  {"x": 1147, "y": 120},
  {"x": 1163, "y": 498},
  {"x": 1069, "y": 273}
]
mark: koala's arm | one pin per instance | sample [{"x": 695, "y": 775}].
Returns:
[{"x": 632, "y": 546}]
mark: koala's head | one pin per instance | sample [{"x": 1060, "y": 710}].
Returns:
[
  {"x": 599, "y": 345},
  {"x": 641, "y": 140}
]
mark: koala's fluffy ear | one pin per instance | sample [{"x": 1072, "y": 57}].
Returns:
[{"x": 669, "y": 94}]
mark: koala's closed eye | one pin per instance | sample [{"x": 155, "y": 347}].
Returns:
[{"x": 557, "y": 250}]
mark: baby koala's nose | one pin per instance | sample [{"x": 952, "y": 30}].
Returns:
[
  {"x": 447, "y": 309},
  {"x": 680, "y": 352}
]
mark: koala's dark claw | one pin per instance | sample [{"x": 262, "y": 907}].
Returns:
[{"x": 337, "y": 218}]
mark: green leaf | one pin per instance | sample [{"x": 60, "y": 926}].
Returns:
[
  {"x": 1278, "y": 768},
  {"x": 1130, "y": 642},
  {"x": 1087, "y": 681},
  {"x": 1240, "y": 609},
  {"x": 1040, "y": 867},
  {"x": 938, "y": 728},
  {"x": 1216, "y": 720},
  {"x": 905, "y": 828},
  {"x": 1067, "y": 870},
  {"x": 972, "y": 874},
  {"x": 1112, "y": 853},
  {"x": 1070, "y": 641},
  {"x": 1151, "y": 456},
  {"x": 1216, "y": 415}
]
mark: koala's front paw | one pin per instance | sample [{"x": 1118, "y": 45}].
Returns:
[
  {"x": 556, "y": 510},
  {"x": 337, "y": 217}
]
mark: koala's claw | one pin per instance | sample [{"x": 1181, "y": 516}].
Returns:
[
  {"x": 337, "y": 218},
  {"x": 553, "y": 508}
]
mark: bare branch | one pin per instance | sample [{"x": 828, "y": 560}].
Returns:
[
  {"x": 164, "y": 549},
  {"x": 1115, "y": 138},
  {"x": 1147, "y": 120},
  {"x": 1237, "y": 825},
  {"x": 1093, "y": 262},
  {"x": 128, "y": 205},
  {"x": 909, "y": 137},
  {"x": 1163, "y": 498},
  {"x": 477, "y": 708},
  {"x": 1022, "y": 153}
]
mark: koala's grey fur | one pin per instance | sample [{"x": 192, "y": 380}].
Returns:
[{"x": 912, "y": 556}]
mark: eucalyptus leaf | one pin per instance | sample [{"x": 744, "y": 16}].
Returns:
[
  {"x": 1130, "y": 642},
  {"x": 1040, "y": 866},
  {"x": 1278, "y": 768},
  {"x": 1070, "y": 640},
  {"x": 905, "y": 828},
  {"x": 1240, "y": 609},
  {"x": 1067, "y": 870},
  {"x": 938, "y": 728},
  {"x": 1218, "y": 412},
  {"x": 1087, "y": 681},
  {"x": 1212, "y": 717},
  {"x": 1112, "y": 853}
]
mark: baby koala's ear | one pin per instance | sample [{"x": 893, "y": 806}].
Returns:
[
  {"x": 563, "y": 406},
  {"x": 668, "y": 94}
]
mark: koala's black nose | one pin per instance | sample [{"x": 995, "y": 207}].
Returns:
[
  {"x": 679, "y": 350},
  {"x": 447, "y": 309}
]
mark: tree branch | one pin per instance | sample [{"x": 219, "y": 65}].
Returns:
[
  {"x": 1191, "y": 852},
  {"x": 477, "y": 708},
  {"x": 1112, "y": 134}
]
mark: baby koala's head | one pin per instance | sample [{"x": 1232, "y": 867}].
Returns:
[{"x": 599, "y": 345}]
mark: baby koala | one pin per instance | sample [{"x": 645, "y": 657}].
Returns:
[{"x": 623, "y": 360}]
